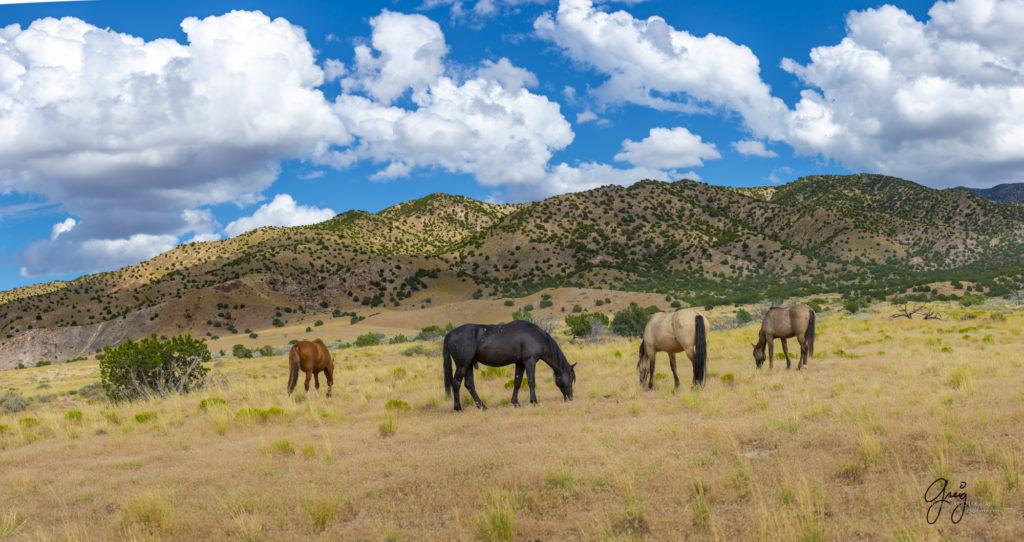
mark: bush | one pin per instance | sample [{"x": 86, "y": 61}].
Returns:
[
  {"x": 851, "y": 306},
  {"x": 12, "y": 402},
  {"x": 398, "y": 339},
  {"x": 240, "y": 351},
  {"x": 630, "y": 322},
  {"x": 509, "y": 303},
  {"x": 582, "y": 325},
  {"x": 743, "y": 317},
  {"x": 431, "y": 333},
  {"x": 523, "y": 314},
  {"x": 368, "y": 339},
  {"x": 138, "y": 370}
]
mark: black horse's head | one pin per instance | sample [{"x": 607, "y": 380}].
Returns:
[
  {"x": 758, "y": 355},
  {"x": 643, "y": 365},
  {"x": 565, "y": 381}
]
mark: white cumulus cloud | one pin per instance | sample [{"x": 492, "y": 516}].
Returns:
[
  {"x": 281, "y": 211},
  {"x": 750, "y": 147},
  {"x": 125, "y": 133},
  {"x": 668, "y": 149},
  {"x": 63, "y": 227}
]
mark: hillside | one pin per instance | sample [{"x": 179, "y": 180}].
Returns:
[
  {"x": 1007, "y": 192},
  {"x": 858, "y": 235}
]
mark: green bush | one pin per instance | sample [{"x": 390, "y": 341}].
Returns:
[
  {"x": 743, "y": 317},
  {"x": 12, "y": 402},
  {"x": 396, "y": 404},
  {"x": 630, "y": 322},
  {"x": 138, "y": 370},
  {"x": 211, "y": 401},
  {"x": 240, "y": 351},
  {"x": 851, "y": 306},
  {"x": 144, "y": 417},
  {"x": 509, "y": 303},
  {"x": 368, "y": 339},
  {"x": 582, "y": 325}
]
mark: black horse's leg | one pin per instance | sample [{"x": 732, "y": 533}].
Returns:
[
  {"x": 672, "y": 363},
  {"x": 771, "y": 352},
  {"x": 460, "y": 371},
  {"x": 330, "y": 379},
  {"x": 785, "y": 350},
  {"x": 471, "y": 386},
  {"x": 531, "y": 366},
  {"x": 516, "y": 383}
]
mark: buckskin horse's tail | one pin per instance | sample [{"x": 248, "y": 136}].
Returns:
[
  {"x": 293, "y": 368},
  {"x": 809, "y": 336},
  {"x": 447, "y": 369},
  {"x": 700, "y": 349}
]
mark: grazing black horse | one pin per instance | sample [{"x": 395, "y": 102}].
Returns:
[{"x": 519, "y": 342}]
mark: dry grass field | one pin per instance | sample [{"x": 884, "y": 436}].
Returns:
[{"x": 842, "y": 451}]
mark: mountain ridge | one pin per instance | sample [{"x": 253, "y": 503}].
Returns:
[{"x": 857, "y": 235}]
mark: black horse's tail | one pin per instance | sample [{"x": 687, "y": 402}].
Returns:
[
  {"x": 700, "y": 350},
  {"x": 809, "y": 336},
  {"x": 447, "y": 369},
  {"x": 293, "y": 369}
]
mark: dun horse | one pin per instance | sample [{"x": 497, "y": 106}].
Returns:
[
  {"x": 783, "y": 323},
  {"x": 311, "y": 357},
  {"x": 682, "y": 331},
  {"x": 520, "y": 343}
]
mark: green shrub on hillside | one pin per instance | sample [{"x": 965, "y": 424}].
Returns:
[
  {"x": 582, "y": 325},
  {"x": 368, "y": 339}
]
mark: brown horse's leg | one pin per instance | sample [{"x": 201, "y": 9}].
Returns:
[
  {"x": 771, "y": 352},
  {"x": 785, "y": 350},
  {"x": 672, "y": 363},
  {"x": 309, "y": 375},
  {"x": 471, "y": 386},
  {"x": 329, "y": 371},
  {"x": 316, "y": 381}
]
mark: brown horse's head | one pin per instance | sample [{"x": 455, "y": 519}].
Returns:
[
  {"x": 643, "y": 364},
  {"x": 759, "y": 356}
]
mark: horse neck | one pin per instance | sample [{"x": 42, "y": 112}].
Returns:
[
  {"x": 762, "y": 340},
  {"x": 557, "y": 362}
]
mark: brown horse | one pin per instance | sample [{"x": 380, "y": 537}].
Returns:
[
  {"x": 683, "y": 331},
  {"x": 783, "y": 323},
  {"x": 311, "y": 357}
]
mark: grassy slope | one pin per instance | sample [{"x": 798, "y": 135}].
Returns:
[{"x": 842, "y": 451}]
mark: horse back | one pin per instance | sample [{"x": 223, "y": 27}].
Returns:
[{"x": 311, "y": 355}]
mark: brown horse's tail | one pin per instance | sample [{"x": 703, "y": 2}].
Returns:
[
  {"x": 447, "y": 369},
  {"x": 700, "y": 350},
  {"x": 293, "y": 369},
  {"x": 809, "y": 336}
]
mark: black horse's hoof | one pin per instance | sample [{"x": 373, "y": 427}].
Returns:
[
  {"x": 516, "y": 404},
  {"x": 481, "y": 406}
]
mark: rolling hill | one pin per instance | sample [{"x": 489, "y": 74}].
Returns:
[{"x": 858, "y": 235}]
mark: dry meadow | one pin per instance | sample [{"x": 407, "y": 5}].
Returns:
[{"x": 842, "y": 451}]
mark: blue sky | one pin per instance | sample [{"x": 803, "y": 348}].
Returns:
[{"x": 127, "y": 128}]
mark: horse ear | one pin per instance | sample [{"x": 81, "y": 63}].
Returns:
[
  {"x": 573, "y": 365},
  {"x": 754, "y": 345}
]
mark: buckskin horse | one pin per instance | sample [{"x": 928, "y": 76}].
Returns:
[
  {"x": 311, "y": 357},
  {"x": 783, "y": 323},
  {"x": 685, "y": 330},
  {"x": 520, "y": 343}
]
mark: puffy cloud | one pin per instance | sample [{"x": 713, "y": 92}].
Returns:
[
  {"x": 668, "y": 149},
  {"x": 564, "y": 178},
  {"x": 488, "y": 126},
  {"x": 939, "y": 101},
  {"x": 410, "y": 51},
  {"x": 125, "y": 133},
  {"x": 61, "y": 255},
  {"x": 63, "y": 227},
  {"x": 648, "y": 62},
  {"x": 281, "y": 211},
  {"x": 750, "y": 147}
]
